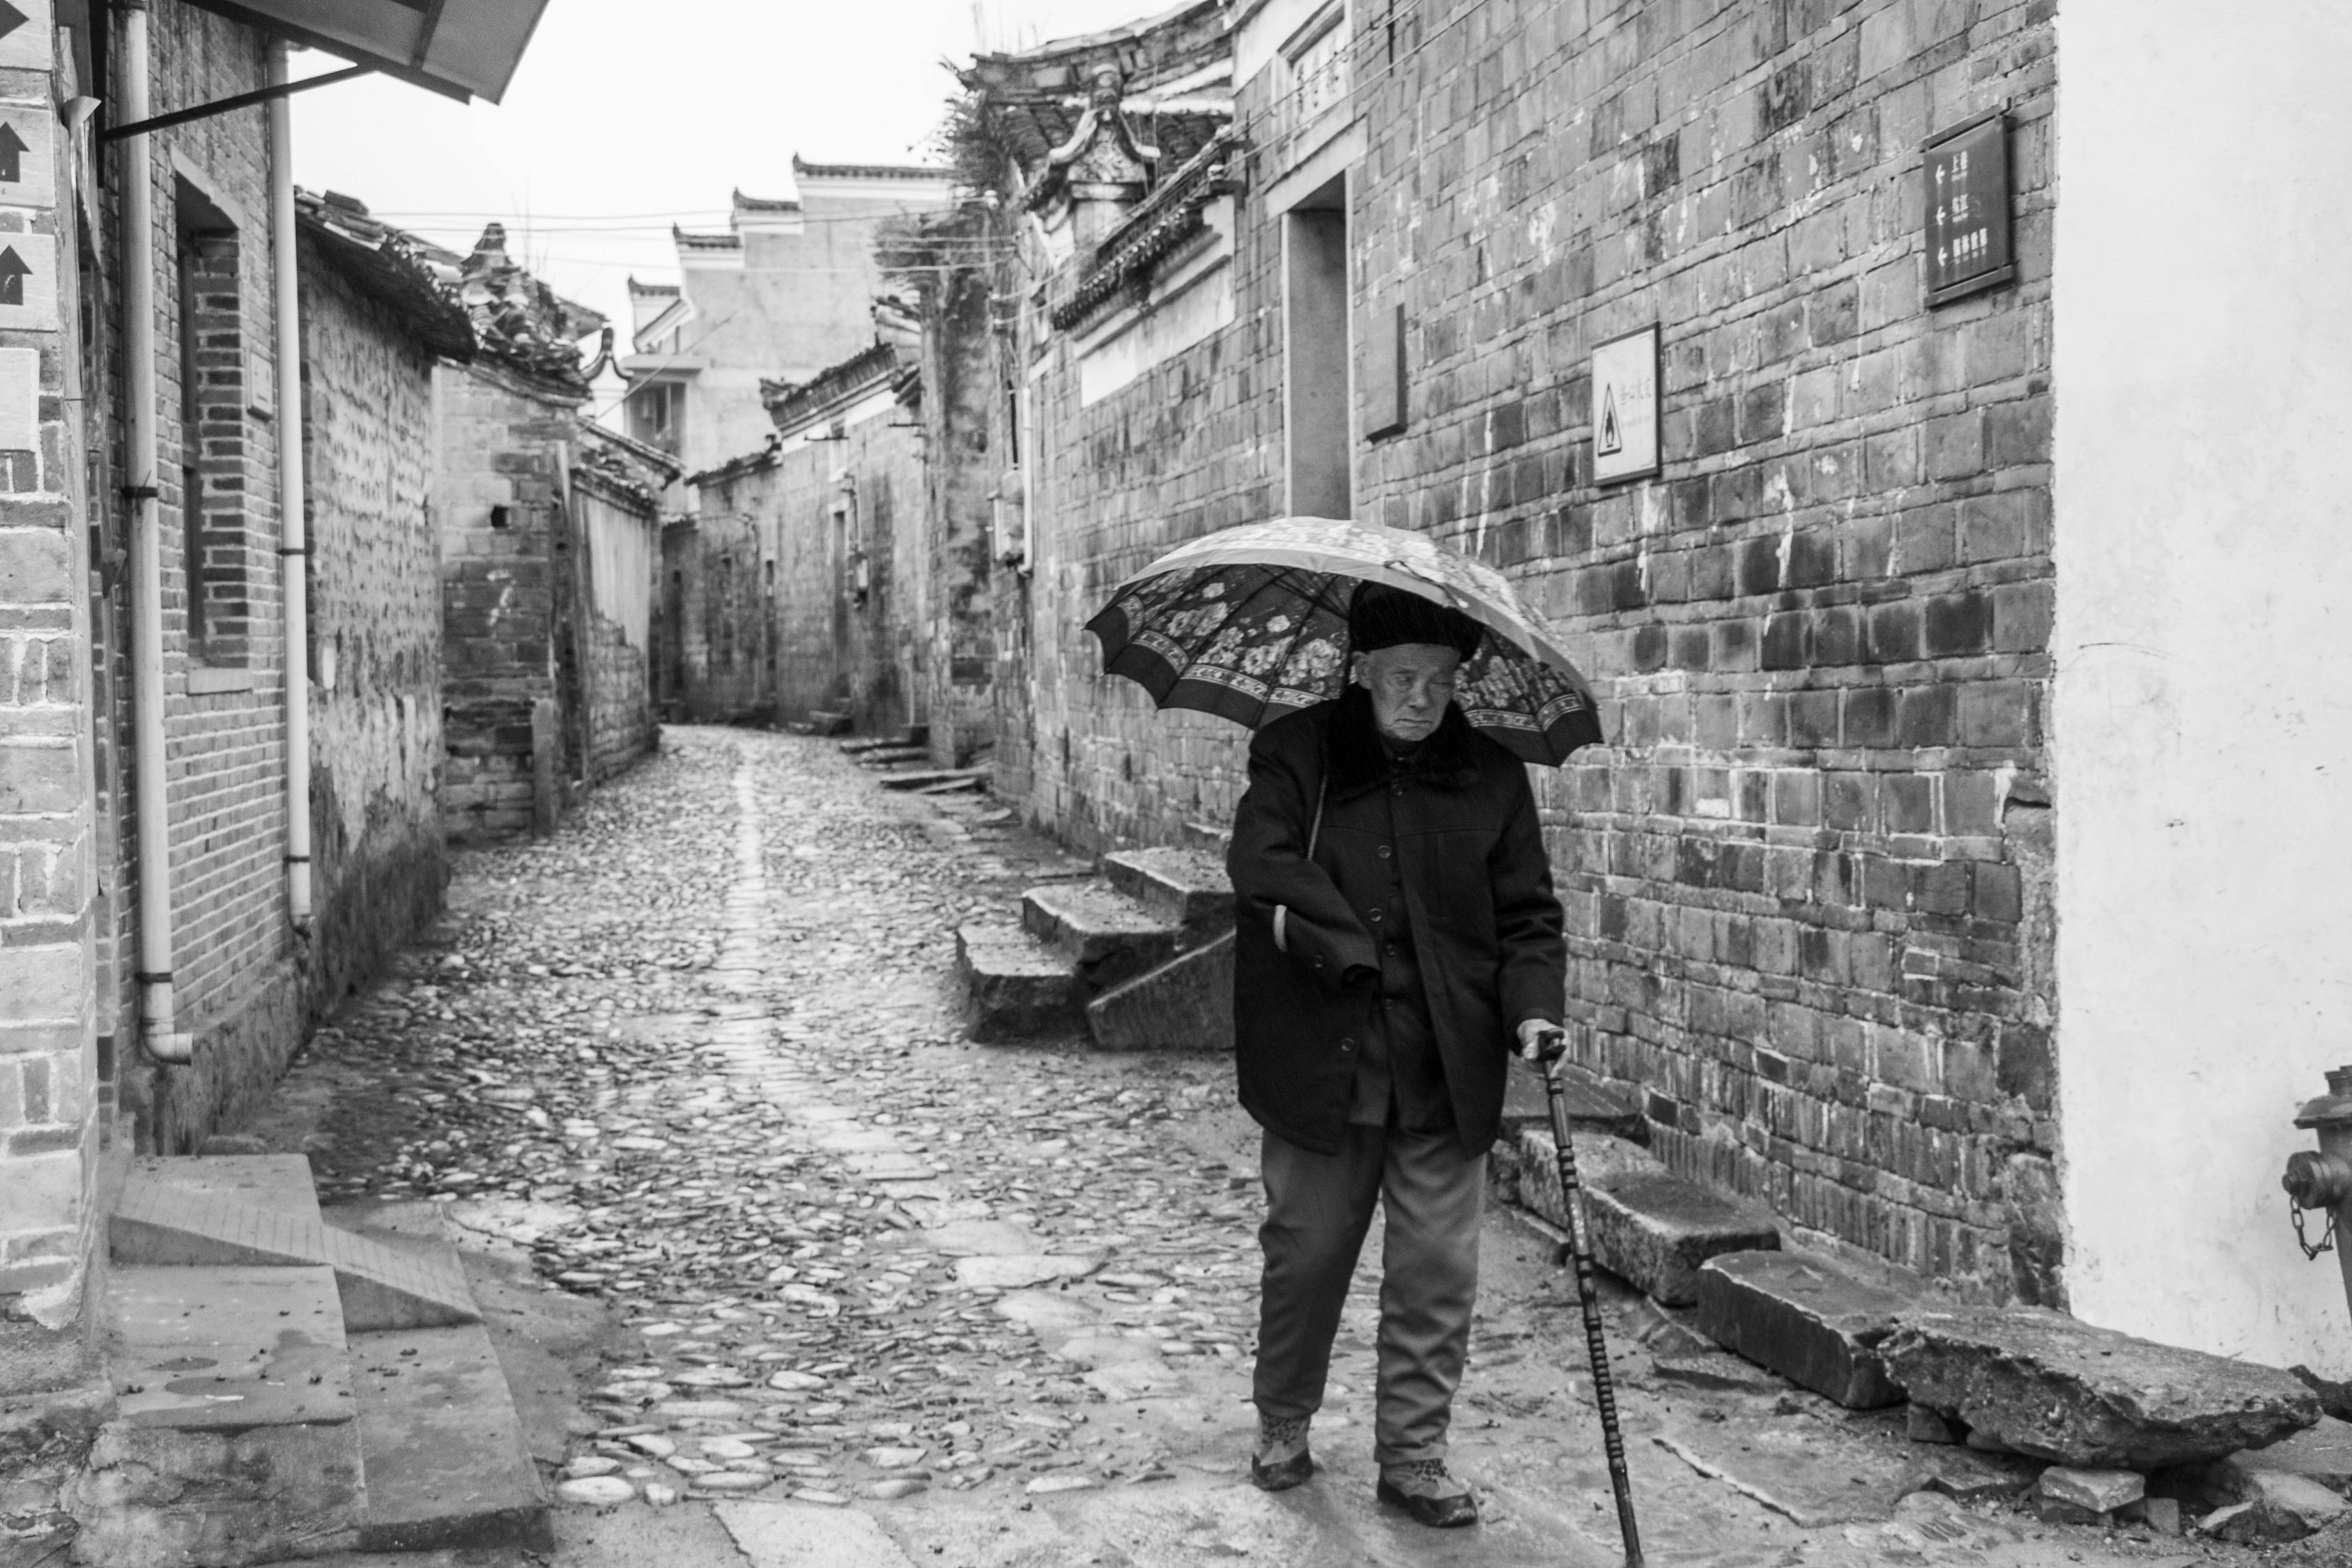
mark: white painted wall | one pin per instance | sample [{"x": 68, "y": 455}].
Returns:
[{"x": 2202, "y": 736}]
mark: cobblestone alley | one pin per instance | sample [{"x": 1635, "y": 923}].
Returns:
[{"x": 784, "y": 1271}]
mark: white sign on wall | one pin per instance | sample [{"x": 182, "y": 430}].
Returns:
[{"x": 1625, "y": 408}]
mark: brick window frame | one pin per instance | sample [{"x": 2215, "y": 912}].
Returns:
[{"x": 217, "y": 552}]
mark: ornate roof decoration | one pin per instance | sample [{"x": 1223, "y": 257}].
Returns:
[
  {"x": 1159, "y": 225},
  {"x": 520, "y": 321},
  {"x": 1174, "y": 76},
  {"x": 391, "y": 266},
  {"x": 1102, "y": 150}
]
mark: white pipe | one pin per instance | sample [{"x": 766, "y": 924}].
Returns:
[
  {"x": 154, "y": 823},
  {"x": 293, "y": 553}
]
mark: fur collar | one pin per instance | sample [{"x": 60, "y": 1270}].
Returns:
[{"x": 1358, "y": 761}]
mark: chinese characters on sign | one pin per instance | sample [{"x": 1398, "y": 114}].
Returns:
[
  {"x": 1625, "y": 408},
  {"x": 1966, "y": 170}
]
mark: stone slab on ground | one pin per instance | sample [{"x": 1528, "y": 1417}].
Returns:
[
  {"x": 805, "y": 1535},
  {"x": 1811, "y": 1323},
  {"x": 940, "y": 779},
  {"x": 1972, "y": 1477},
  {"x": 2092, "y": 1491},
  {"x": 1015, "y": 987},
  {"x": 447, "y": 1464},
  {"x": 1811, "y": 1471},
  {"x": 234, "y": 1439},
  {"x": 1106, "y": 935},
  {"x": 1649, "y": 1227},
  {"x": 1186, "y": 1003},
  {"x": 2044, "y": 1384}
]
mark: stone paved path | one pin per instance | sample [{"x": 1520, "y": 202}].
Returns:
[{"x": 858, "y": 1292}]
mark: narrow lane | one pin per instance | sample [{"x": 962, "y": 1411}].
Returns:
[{"x": 698, "y": 1060}]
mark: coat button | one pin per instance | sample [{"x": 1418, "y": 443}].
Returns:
[
  {"x": 1385, "y": 851},
  {"x": 1347, "y": 1044},
  {"x": 1376, "y": 915},
  {"x": 1396, "y": 789}
]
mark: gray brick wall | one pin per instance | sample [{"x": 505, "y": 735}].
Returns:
[{"x": 1808, "y": 879}]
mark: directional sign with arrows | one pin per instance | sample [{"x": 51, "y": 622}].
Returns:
[
  {"x": 28, "y": 281},
  {"x": 26, "y": 35},
  {"x": 28, "y": 166}
]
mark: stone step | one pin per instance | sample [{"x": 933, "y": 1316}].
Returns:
[
  {"x": 447, "y": 1464},
  {"x": 235, "y": 1437},
  {"x": 1185, "y": 1004},
  {"x": 1106, "y": 935},
  {"x": 178, "y": 1210},
  {"x": 1649, "y": 1227},
  {"x": 928, "y": 780},
  {"x": 891, "y": 755},
  {"x": 1182, "y": 887},
  {"x": 859, "y": 745},
  {"x": 824, "y": 722},
  {"x": 1015, "y": 987},
  {"x": 1593, "y": 1106},
  {"x": 1813, "y": 1324}
]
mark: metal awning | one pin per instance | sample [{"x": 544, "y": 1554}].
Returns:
[{"x": 465, "y": 48}]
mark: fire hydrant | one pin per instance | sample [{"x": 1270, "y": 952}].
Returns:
[{"x": 2322, "y": 1179}]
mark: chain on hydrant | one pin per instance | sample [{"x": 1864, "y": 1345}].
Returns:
[{"x": 2321, "y": 1178}]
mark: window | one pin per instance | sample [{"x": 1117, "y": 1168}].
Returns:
[
  {"x": 214, "y": 549},
  {"x": 657, "y": 414},
  {"x": 1316, "y": 353}
]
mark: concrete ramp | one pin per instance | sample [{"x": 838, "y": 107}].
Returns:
[{"x": 179, "y": 1212}]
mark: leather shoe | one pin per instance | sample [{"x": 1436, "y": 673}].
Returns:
[
  {"x": 1283, "y": 1474},
  {"x": 1437, "y": 1510}
]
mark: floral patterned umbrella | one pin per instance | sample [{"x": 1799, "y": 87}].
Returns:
[{"x": 1252, "y": 623}]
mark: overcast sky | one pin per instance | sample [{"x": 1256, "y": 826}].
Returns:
[{"x": 627, "y": 116}]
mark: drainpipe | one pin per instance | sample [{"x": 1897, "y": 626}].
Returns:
[
  {"x": 156, "y": 1030},
  {"x": 293, "y": 553}
]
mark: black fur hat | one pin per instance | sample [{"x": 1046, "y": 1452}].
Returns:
[{"x": 1381, "y": 616}]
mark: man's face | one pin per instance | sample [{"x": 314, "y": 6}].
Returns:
[{"x": 1410, "y": 685}]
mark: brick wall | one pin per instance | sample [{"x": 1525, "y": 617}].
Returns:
[
  {"x": 52, "y": 1125},
  {"x": 965, "y": 454},
  {"x": 817, "y": 642},
  {"x": 236, "y": 987},
  {"x": 377, "y": 866},
  {"x": 500, "y": 455},
  {"x": 1808, "y": 883}
]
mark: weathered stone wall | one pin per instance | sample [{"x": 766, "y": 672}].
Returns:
[
  {"x": 236, "y": 985},
  {"x": 53, "y": 1121},
  {"x": 965, "y": 456},
  {"x": 501, "y": 443},
  {"x": 1803, "y": 879},
  {"x": 377, "y": 868},
  {"x": 777, "y": 623},
  {"x": 618, "y": 538}
]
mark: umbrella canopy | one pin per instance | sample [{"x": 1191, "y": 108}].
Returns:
[{"x": 1252, "y": 623}]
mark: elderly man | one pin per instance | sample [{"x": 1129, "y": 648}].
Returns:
[{"x": 1397, "y": 935}]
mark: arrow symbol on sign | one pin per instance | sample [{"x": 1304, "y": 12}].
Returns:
[
  {"x": 12, "y": 271},
  {"x": 10, "y": 18},
  {"x": 12, "y": 153}
]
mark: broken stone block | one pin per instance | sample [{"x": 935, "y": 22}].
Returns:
[
  {"x": 1922, "y": 1424},
  {"x": 2044, "y": 1385},
  {"x": 2160, "y": 1514},
  {"x": 2283, "y": 1508},
  {"x": 2321, "y": 1453},
  {"x": 1809, "y": 1322},
  {"x": 1971, "y": 1476},
  {"x": 2094, "y": 1491}
]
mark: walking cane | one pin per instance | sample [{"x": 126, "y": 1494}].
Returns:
[{"x": 1551, "y": 1047}]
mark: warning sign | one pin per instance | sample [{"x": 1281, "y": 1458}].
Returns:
[{"x": 1625, "y": 408}]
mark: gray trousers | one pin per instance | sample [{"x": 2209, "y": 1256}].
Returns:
[{"x": 1319, "y": 1207}]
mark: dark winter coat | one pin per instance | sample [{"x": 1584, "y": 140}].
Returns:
[{"x": 1477, "y": 887}]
